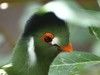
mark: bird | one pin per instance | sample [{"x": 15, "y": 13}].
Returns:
[{"x": 44, "y": 37}]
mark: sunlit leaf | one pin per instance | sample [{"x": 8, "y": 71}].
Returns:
[{"x": 73, "y": 13}]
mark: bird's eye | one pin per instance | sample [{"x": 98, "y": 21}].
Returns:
[{"x": 47, "y": 37}]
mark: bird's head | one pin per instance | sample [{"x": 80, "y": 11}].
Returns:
[{"x": 51, "y": 34}]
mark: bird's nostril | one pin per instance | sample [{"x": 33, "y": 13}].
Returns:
[{"x": 47, "y": 37}]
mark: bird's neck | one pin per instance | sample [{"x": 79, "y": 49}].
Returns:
[
  {"x": 20, "y": 54},
  {"x": 24, "y": 57}
]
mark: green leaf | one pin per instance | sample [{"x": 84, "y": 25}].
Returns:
[
  {"x": 75, "y": 63},
  {"x": 95, "y": 31}
]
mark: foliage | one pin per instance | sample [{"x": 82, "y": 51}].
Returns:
[
  {"x": 75, "y": 63},
  {"x": 95, "y": 32},
  {"x": 79, "y": 63}
]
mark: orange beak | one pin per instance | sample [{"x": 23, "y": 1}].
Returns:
[{"x": 67, "y": 48}]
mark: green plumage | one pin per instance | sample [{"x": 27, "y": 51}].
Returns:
[{"x": 36, "y": 26}]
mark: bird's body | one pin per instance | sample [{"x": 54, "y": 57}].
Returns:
[{"x": 33, "y": 55}]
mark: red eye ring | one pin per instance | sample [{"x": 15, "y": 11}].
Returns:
[{"x": 47, "y": 37}]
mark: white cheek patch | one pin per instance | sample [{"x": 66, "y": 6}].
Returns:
[
  {"x": 7, "y": 66},
  {"x": 31, "y": 52},
  {"x": 3, "y": 72},
  {"x": 55, "y": 41}
]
